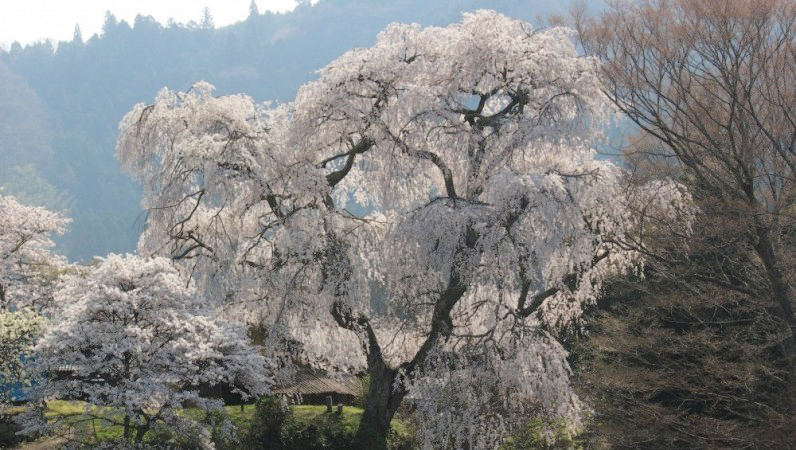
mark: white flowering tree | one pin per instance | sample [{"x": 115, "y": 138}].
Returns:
[
  {"x": 492, "y": 222},
  {"x": 137, "y": 346},
  {"x": 27, "y": 263},
  {"x": 28, "y": 270}
]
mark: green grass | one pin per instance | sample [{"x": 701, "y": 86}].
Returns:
[
  {"x": 317, "y": 414},
  {"x": 85, "y": 429},
  {"x": 302, "y": 413},
  {"x": 241, "y": 420},
  {"x": 307, "y": 415},
  {"x": 303, "y": 417}
]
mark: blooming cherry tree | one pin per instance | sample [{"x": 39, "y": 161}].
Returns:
[
  {"x": 139, "y": 345},
  {"x": 28, "y": 270},
  {"x": 27, "y": 263},
  {"x": 492, "y": 223}
]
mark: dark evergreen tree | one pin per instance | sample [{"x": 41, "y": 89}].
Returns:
[
  {"x": 207, "y": 19},
  {"x": 253, "y": 11},
  {"x": 78, "y": 36},
  {"x": 109, "y": 24}
]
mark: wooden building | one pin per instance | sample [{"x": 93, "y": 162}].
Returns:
[{"x": 313, "y": 389}]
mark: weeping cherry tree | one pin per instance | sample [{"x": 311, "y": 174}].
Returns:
[{"x": 490, "y": 222}]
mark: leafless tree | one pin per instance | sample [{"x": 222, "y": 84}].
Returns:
[{"x": 713, "y": 82}]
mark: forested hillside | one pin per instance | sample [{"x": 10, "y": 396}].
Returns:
[{"x": 62, "y": 103}]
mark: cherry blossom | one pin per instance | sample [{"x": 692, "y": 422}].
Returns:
[
  {"x": 133, "y": 341},
  {"x": 28, "y": 265}
]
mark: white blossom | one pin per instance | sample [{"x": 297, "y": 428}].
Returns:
[
  {"x": 131, "y": 337},
  {"x": 27, "y": 265}
]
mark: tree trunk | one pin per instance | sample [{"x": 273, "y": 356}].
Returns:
[
  {"x": 782, "y": 297},
  {"x": 141, "y": 431},
  {"x": 384, "y": 395},
  {"x": 126, "y": 428},
  {"x": 381, "y": 403}
]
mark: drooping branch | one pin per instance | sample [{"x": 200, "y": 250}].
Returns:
[
  {"x": 476, "y": 117},
  {"x": 359, "y": 323},
  {"x": 570, "y": 281},
  {"x": 445, "y": 171},
  {"x": 441, "y": 320}
]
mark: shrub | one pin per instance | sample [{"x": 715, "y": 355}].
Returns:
[
  {"x": 326, "y": 433},
  {"x": 270, "y": 415},
  {"x": 542, "y": 434}
]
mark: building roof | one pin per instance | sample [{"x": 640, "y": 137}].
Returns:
[{"x": 321, "y": 385}]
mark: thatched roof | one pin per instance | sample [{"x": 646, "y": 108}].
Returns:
[{"x": 314, "y": 385}]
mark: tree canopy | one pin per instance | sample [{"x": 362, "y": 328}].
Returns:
[{"x": 65, "y": 99}]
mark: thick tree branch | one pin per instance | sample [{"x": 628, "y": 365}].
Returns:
[{"x": 337, "y": 176}]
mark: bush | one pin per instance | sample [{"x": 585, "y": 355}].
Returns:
[
  {"x": 363, "y": 383},
  {"x": 541, "y": 434},
  {"x": 8, "y": 429},
  {"x": 327, "y": 433},
  {"x": 193, "y": 430},
  {"x": 270, "y": 415},
  {"x": 274, "y": 426}
]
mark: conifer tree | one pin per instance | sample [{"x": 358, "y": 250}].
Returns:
[
  {"x": 207, "y": 19},
  {"x": 110, "y": 23},
  {"x": 78, "y": 36}
]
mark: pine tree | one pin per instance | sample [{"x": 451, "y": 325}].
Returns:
[
  {"x": 207, "y": 19},
  {"x": 78, "y": 37},
  {"x": 253, "y": 10},
  {"x": 110, "y": 22}
]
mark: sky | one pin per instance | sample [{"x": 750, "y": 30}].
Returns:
[{"x": 28, "y": 21}]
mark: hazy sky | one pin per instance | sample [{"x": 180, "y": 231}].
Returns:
[{"x": 28, "y": 21}]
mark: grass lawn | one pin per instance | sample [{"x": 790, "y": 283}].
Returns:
[
  {"x": 85, "y": 429},
  {"x": 92, "y": 430}
]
